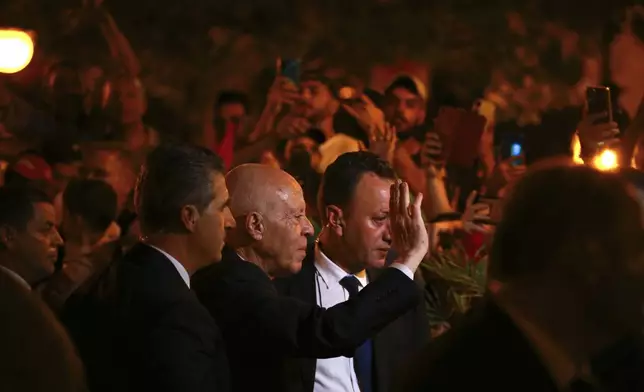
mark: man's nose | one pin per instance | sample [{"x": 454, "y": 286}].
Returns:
[
  {"x": 229, "y": 221},
  {"x": 57, "y": 239},
  {"x": 307, "y": 228},
  {"x": 386, "y": 235}
]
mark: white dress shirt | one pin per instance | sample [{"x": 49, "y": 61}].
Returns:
[
  {"x": 333, "y": 374},
  {"x": 336, "y": 374},
  {"x": 16, "y": 277},
  {"x": 183, "y": 272}
]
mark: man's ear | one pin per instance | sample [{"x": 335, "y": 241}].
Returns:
[
  {"x": 335, "y": 219},
  {"x": 255, "y": 226},
  {"x": 7, "y": 236},
  {"x": 189, "y": 217}
]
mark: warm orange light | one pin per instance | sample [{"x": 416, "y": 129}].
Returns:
[
  {"x": 606, "y": 160},
  {"x": 576, "y": 150},
  {"x": 16, "y": 50}
]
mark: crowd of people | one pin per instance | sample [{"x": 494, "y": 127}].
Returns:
[{"x": 344, "y": 239}]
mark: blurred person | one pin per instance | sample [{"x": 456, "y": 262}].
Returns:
[
  {"x": 28, "y": 237},
  {"x": 352, "y": 247},
  {"x": 116, "y": 167},
  {"x": 156, "y": 335},
  {"x": 90, "y": 240},
  {"x": 125, "y": 104},
  {"x": 302, "y": 155},
  {"x": 224, "y": 135},
  {"x": 66, "y": 161},
  {"x": 36, "y": 355},
  {"x": 405, "y": 104},
  {"x": 64, "y": 96},
  {"x": 261, "y": 328},
  {"x": 566, "y": 313},
  {"x": 316, "y": 108}
]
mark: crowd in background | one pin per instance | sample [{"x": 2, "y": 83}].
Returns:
[{"x": 484, "y": 253}]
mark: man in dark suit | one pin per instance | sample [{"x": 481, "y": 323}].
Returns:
[
  {"x": 157, "y": 335},
  {"x": 567, "y": 312},
  {"x": 261, "y": 328},
  {"x": 355, "y": 240}
]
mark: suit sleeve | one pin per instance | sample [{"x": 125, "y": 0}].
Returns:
[{"x": 296, "y": 328}]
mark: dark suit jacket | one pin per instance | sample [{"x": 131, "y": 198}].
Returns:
[
  {"x": 262, "y": 329},
  {"x": 393, "y": 346},
  {"x": 157, "y": 335},
  {"x": 485, "y": 352}
]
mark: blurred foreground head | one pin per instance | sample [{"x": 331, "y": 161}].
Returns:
[{"x": 573, "y": 236}]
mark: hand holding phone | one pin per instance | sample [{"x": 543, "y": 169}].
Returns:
[
  {"x": 599, "y": 104},
  {"x": 290, "y": 69}
]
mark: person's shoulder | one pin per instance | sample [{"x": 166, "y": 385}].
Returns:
[{"x": 230, "y": 274}]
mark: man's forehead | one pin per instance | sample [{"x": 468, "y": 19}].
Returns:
[
  {"x": 371, "y": 191},
  {"x": 44, "y": 212},
  {"x": 404, "y": 94}
]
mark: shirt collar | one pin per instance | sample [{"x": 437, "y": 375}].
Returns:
[
  {"x": 329, "y": 271},
  {"x": 180, "y": 268},
  {"x": 16, "y": 277}
]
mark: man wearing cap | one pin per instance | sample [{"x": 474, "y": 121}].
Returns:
[
  {"x": 405, "y": 108},
  {"x": 405, "y": 101}
]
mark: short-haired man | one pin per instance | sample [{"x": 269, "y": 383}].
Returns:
[
  {"x": 351, "y": 249},
  {"x": 158, "y": 337},
  {"x": 29, "y": 240},
  {"x": 91, "y": 241}
]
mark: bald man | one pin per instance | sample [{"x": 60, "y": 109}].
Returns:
[{"x": 261, "y": 329}]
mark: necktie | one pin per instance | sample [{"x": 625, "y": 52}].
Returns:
[{"x": 363, "y": 358}]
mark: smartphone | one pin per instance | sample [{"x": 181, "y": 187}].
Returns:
[
  {"x": 464, "y": 148},
  {"x": 291, "y": 69},
  {"x": 515, "y": 150},
  {"x": 598, "y": 100}
]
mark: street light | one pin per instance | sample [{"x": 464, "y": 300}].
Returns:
[{"x": 16, "y": 50}]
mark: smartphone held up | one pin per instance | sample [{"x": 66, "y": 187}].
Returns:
[{"x": 600, "y": 106}]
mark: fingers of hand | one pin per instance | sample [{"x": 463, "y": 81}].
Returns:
[
  {"x": 404, "y": 199},
  {"x": 594, "y": 117},
  {"x": 394, "y": 195},
  {"x": 416, "y": 211},
  {"x": 470, "y": 199}
]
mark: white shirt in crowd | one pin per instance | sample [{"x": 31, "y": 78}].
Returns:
[{"x": 336, "y": 374}]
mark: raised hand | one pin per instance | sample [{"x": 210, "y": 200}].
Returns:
[
  {"x": 474, "y": 214},
  {"x": 592, "y": 135},
  {"x": 384, "y": 144},
  {"x": 292, "y": 126},
  {"x": 282, "y": 92},
  {"x": 369, "y": 117},
  {"x": 408, "y": 232}
]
